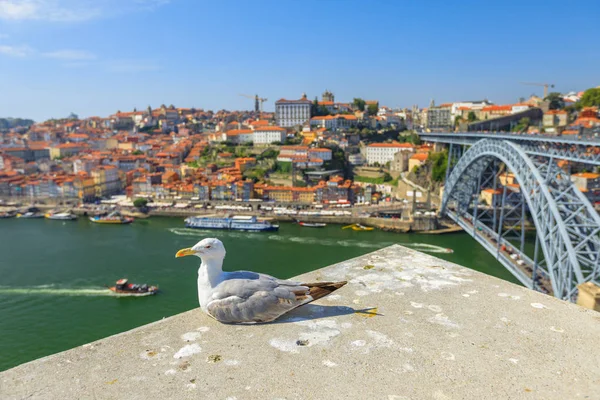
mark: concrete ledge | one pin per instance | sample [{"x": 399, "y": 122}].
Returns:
[{"x": 428, "y": 329}]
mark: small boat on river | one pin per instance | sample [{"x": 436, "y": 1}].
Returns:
[
  {"x": 30, "y": 215},
  {"x": 312, "y": 224},
  {"x": 112, "y": 218},
  {"x": 61, "y": 216},
  {"x": 123, "y": 287},
  {"x": 358, "y": 227},
  {"x": 7, "y": 214}
]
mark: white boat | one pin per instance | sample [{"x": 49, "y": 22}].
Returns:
[
  {"x": 236, "y": 223},
  {"x": 63, "y": 216}
]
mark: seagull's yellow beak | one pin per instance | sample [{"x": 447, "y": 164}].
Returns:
[{"x": 185, "y": 252}]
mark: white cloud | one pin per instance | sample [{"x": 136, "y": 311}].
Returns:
[
  {"x": 51, "y": 10},
  {"x": 71, "y": 10},
  {"x": 133, "y": 66},
  {"x": 73, "y": 55},
  {"x": 16, "y": 51}
]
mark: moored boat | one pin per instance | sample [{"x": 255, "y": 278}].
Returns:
[
  {"x": 61, "y": 216},
  {"x": 123, "y": 287},
  {"x": 112, "y": 218},
  {"x": 30, "y": 215},
  {"x": 7, "y": 214},
  {"x": 358, "y": 227},
  {"x": 312, "y": 224},
  {"x": 236, "y": 223}
]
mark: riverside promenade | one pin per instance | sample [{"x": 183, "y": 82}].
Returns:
[{"x": 406, "y": 326}]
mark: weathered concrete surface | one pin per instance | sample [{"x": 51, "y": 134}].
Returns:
[{"x": 438, "y": 331}]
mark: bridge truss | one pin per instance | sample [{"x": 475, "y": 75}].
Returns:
[{"x": 567, "y": 228}]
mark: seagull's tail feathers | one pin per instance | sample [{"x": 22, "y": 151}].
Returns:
[{"x": 322, "y": 289}]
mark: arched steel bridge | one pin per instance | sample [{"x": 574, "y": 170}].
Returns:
[{"x": 566, "y": 252}]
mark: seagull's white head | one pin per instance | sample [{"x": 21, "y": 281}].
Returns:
[{"x": 206, "y": 249}]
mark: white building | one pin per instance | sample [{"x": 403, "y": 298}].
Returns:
[
  {"x": 290, "y": 113},
  {"x": 323, "y": 154},
  {"x": 383, "y": 152},
  {"x": 239, "y": 136},
  {"x": 473, "y": 105},
  {"x": 516, "y": 108},
  {"x": 268, "y": 134}
]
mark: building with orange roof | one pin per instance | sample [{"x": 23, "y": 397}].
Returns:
[
  {"x": 107, "y": 180},
  {"x": 239, "y": 136},
  {"x": 265, "y": 135},
  {"x": 66, "y": 149},
  {"x": 491, "y": 197},
  {"x": 586, "y": 181},
  {"x": 243, "y": 163},
  {"x": 382, "y": 153},
  {"x": 290, "y": 113},
  {"x": 416, "y": 160},
  {"x": 553, "y": 119}
]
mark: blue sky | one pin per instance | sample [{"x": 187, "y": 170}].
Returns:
[{"x": 94, "y": 57}]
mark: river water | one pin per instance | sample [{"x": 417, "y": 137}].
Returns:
[{"x": 52, "y": 273}]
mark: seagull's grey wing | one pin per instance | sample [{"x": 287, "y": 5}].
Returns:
[
  {"x": 255, "y": 300},
  {"x": 257, "y": 275}
]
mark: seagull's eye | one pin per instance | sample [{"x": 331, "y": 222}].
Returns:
[{"x": 208, "y": 247}]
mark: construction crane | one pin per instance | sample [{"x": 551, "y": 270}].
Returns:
[
  {"x": 258, "y": 102},
  {"x": 545, "y": 85}
]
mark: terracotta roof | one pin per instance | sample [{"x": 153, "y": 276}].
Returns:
[
  {"x": 587, "y": 175},
  {"x": 397, "y": 145},
  {"x": 420, "y": 156}
]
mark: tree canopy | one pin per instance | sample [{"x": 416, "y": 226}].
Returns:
[
  {"x": 7, "y": 123},
  {"x": 317, "y": 110},
  {"x": 359, "y": 103},
  {"x": 372, "y": 109},
  {"x": 556, "y": 101},
  {"x": 590, "y": 98},
  {"x": 140, "y": 203}
]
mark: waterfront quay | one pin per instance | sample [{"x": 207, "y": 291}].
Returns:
[{"x": 406, "y": 326}]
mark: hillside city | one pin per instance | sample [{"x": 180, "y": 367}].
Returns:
[{"x": 307, "y": 152}]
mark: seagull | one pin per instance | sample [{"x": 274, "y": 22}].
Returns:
[{"x": 243, "y": 297}]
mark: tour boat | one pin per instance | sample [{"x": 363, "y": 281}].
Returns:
[
  {"x": 123, "y": 287},
  {"x": 235, "y": 223},
  {"x": 312, "y": 224},
  {"x": 112, "y": 218},
  {"x": 63, "y": 216}
]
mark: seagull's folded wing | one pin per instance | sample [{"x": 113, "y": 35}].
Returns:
[{"x": 255, "y": 300}]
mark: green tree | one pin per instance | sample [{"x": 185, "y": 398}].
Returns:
[
  {"x": 140, "y": 203},
  {"x": 522, "y": 125},
  {"x": 471, "y": 117},
  {"x": 137, "y": 153},
  {"x": 556, "y": 101},
  {"x": 359, "y": 103},
  {"x": 439, "y": 163},
  {"x": 372, "y": 109},
  {"x": 590, "y": 98}
]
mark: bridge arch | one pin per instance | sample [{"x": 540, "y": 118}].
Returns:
[{"x": 567, "y": 226}]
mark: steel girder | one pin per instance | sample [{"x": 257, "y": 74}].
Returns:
[
  {"x": 567, "y": 226},
  {"x": 578, "y": 152}
]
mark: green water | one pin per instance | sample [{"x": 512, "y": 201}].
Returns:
[{"x": 52, "y": 273}]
